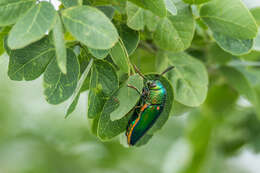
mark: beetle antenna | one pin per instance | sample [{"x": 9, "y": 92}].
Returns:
[
  {"x": 131, "y": 86},
  {"x": 168, "y": 69},
  {"x": 138, "y": 71}
]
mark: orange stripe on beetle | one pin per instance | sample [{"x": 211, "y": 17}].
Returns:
[
  {"x": 136, "y": 121},
  {"x": 130, "y": 133},
  {"x": 144, "y": 107}
]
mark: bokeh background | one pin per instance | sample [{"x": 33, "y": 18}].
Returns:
[{"x": 35, "y": 137}]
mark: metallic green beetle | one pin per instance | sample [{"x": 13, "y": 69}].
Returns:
[{"x": 148, "y": 109}]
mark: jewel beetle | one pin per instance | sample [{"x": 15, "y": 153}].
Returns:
[{"x": 148, "y": 109}]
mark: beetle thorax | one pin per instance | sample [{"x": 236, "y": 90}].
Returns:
[{"x": 155, "y": 92}]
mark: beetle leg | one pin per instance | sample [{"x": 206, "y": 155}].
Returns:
[
  {"x": 139, "y": 72},
  {"x": 131, "y": 86}
]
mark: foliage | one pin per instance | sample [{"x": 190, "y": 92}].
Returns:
[{"x": 93, "y": 44}]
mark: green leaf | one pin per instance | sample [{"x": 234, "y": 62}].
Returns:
[
  {"x": 170, "y": 6},
  {"x": 125, "y": 105},
  {"x": 84, "y": 59},
  {"x": 189, "y": 78},
  {"x": 155, "y": 6},
  {"x": 90, "y": 26},
  {"x": 72, "y": 106},
  {"x": 196, "y": 1},
  {"x": 103, "y": 82},
  {"x": 32, "y": 26},
  {"x": 233, "y": 45},
  {"x": 58, "y": 87},
  {"x": 135, "y": 16},
  {"x": 59, "y": 44},
  {"x": 120, "y": 57},
  {"x": 75, "y": 96},
  {"x": 175, "y": 33},
  {"x": 256, "y": 13},
  {"x": 70, "y": 3},
  {"x": 99, "y": 53},
  {"x": 108, "y": 129},
  {"x": 108, "y": 10},
  {"x": 130, "y": 38},
  {"x": 30, "y": 62},
  {"x": 3, "y": 33},
  {"x": 239, "y": 82},
  {"x": 12, "y": 10},
  {"x": 229, "y": 17}
]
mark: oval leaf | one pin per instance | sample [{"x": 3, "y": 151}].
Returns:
[
  {"x": 229, "y": 17},
  {"x": 32, "y": 26},
  {"x": 58, "y": 87},
  {"x": 30, "y": 62},
  {"x": 90, "y": 26},
  {"x": 189, "y": 78},
  {"x": 175, "y": 33},
  {"x": 125, "y": 105}
]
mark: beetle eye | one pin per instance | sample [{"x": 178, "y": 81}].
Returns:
[{"x": 152, "y": 85}]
